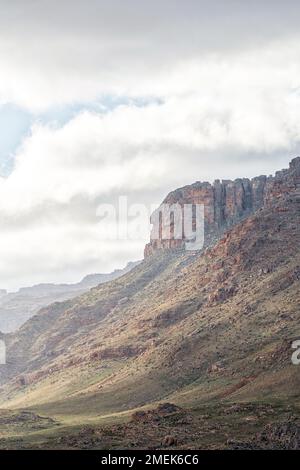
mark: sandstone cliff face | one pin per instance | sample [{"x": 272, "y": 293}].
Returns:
[{"x": 225, "y": 203}]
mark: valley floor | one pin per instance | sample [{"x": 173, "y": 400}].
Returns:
[{"x": 215, "y": 425}]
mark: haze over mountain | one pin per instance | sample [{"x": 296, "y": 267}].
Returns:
[
  {"x": 208, "y": 331},
  {"x": 17, "y": 307}
]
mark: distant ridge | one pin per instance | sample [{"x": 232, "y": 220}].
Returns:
[{"x": 17, "y": 307}]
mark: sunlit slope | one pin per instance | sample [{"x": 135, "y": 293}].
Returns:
[{"x": 188, "y": 326}]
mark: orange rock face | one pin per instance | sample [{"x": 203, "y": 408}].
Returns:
[{"x": 225, "y": 204}]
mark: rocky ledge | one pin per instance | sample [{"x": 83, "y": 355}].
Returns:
[{"x": 225, "y": 203}]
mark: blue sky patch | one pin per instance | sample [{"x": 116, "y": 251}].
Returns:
[{"x": 15, "y": 122}]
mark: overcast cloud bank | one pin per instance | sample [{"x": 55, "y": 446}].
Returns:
[{"x": 208, "y": 92}]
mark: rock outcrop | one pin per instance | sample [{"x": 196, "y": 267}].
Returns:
[{"x": 225, "y": 204}]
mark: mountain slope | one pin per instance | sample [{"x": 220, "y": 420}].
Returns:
[
  {"x": 18, "y": 307},
  {"x": 187, "y": 327}
]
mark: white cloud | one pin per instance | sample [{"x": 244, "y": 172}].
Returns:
[
  {"x": 58, "y": 52},
  {"x": 221, "y": 103},
  {"x": 133, "y": 148},
  {"x": 48, "y": 203}
]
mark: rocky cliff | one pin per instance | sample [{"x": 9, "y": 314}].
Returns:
[{"x": 225, "y": 203}]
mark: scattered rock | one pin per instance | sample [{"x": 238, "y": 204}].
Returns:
[
  {"x": 169, "y": 441},
  {"x": 163, "y": 410},
  {"x": 283, "y": 436}
]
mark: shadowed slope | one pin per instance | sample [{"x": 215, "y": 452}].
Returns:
[{"x": 195, "y": 326}]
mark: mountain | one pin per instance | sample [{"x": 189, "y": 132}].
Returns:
[
  {"x": 189, "y": 349},
  {"x": 226, "y": 203},
  {"x": 17, "y": 307}
]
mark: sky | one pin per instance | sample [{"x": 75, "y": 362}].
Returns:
[{"x": 102, "y": 99}]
